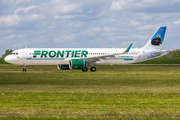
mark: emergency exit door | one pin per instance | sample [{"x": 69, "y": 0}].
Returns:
[{"x": 25, "y": 54}]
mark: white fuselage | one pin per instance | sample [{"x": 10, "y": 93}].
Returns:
[{"x": 54, "y": 56}]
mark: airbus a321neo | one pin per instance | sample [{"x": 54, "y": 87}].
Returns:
[{"x": 79, "y": 58}]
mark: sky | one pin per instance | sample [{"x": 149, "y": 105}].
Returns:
[{"x": 87, "y": 23}]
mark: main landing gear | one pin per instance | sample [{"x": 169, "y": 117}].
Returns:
[
  {"x": 92, "y": 69},
  {"x": 85, "y": 69},
  {"x": 24, "y": 69}
]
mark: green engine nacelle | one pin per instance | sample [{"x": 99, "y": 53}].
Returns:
[
  {"x": 63, "y": 67},
  {"x": 77, "y": 64}
]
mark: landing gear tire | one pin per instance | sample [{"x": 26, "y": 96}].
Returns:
[
  {"x": 24, "y": 69},
  {"x": 85, "y": 69},
  {"x": 92, "y": 69}
]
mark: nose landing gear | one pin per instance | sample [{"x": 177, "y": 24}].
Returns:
[{"x": 24, "y": 69}]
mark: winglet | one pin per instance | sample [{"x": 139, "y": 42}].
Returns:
[{"x": 127, "y": 50}]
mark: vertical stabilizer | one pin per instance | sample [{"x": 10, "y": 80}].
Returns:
[{"x": 157, "y": 39}]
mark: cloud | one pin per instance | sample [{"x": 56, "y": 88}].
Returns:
[
  {"x": 10, "y": 20},
  {"x": 25, "y": 9},
  {"x": 14, "y": 20},
  {"x": 153, "y": 6},
  {"x": 177, "y": 22},
  {"x": 90, "y": 11},
  {"x": 69, "y": 8},
  {"x": 64, "y": 38},
  {"x": 106, "y": 29},
  {"x": 134, "y": 23},
  {"x": 147, "y": 27},
  {"x": 67, "y": 16},
  {"x": 117, "y": 5},
  {"x": 22, "y": 44},
  {"x": 11, "y": 36},
  {"x": 65, "y": 7},
  {"x": 55, "y": 1},
  {"x": 33, "y": 17},
  {"x": 76, "y": 24},
  {"x": 15, "y": 1}
]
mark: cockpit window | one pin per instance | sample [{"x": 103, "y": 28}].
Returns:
[{"x": 14, "y": 54}]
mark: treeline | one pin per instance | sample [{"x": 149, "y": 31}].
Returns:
[
  {"x": 7, "y": 52},
  {"x": 175, "y": 53}
]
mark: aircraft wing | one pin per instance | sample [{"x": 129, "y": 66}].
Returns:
[
  {"x": 104, "y": 57},
  {"x": 157, "y": 53}
]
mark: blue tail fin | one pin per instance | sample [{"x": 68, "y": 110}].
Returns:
[{"x": 157, "y": 39}]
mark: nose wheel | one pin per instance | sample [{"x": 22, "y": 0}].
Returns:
[{"x": 92, "y": 69}]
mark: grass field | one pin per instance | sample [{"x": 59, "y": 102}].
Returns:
[{"x": 117, "y": 92}]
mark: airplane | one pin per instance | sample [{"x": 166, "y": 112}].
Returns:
[{"x": 79, "y": 58}]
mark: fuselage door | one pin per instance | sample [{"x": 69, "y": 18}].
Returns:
[
  {"x": 25, "y": 54},
  {"x": 109, "y": 52}
]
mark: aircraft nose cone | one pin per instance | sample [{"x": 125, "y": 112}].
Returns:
[{"x": 7, "y": 58}]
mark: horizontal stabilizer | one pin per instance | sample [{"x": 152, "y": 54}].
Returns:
[{"x": 157, "y": 53}]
